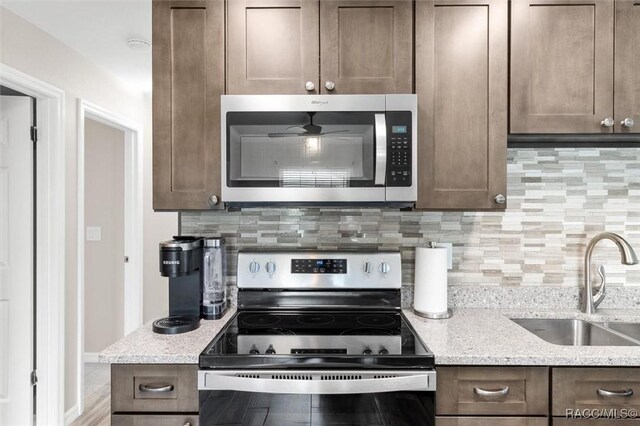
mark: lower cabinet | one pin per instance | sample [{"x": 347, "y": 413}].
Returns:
[
  {"x": 154, "y": 420},
  {"x": 492, "y": 421},
  {"x": 536, "y": 396},
  {"x": 154, "y": 394},
  {"x": 492, "y": 391}
]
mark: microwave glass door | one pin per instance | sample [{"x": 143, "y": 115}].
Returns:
[{"x": 300, "y": 149}]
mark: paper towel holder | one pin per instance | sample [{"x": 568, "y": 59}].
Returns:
[{"x": 439, "y": 315}]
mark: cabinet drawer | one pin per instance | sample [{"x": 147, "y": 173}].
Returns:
[
  {"x": 154, "y": 388},
  {"x": 492, "y": 421},
  {"x": 589, "y": 388},
  {"x": 154, "y": 420},
  {"x": 595, "y": 422},
  {"x": 510, "y": 391}
]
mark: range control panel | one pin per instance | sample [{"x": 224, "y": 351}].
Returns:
[
  {"x": 318, "y": 266},
  {"x": 317, "y": 270},
  {"x": 399, "y": 152}
]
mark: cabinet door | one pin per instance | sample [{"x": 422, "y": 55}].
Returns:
[
  {"x": 627, "y": 68},
  {"x": 155, "y": 420},
  {"x": 273, "y": 46},
  {"x": 561, "y": 66},
  {"x": 461, "y": 82},
  {"x": 188, "y": 79},
  {"x": 492, "y": 391},
  {"x": 594, "y": 389},
  {"x": 366, "y": 46}
]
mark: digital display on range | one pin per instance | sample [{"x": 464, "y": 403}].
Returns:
[{"x": 318, "y": 266}]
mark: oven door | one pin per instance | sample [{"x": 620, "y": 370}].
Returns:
[
  {"x": 300, "y": 156},
  {"x": 317, "y": 397}
]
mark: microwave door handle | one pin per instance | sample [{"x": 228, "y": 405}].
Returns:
[{"x": 381, "y": 149}]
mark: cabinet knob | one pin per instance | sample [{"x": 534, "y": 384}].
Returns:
[
  {"x": 213, "y": 200},
  {"x": 627, "y": 122},
  {"x": 309, "y": 85},
  {"x": 607, "y": 122},
  {"x": 500, "y": 199},
  {"x": 329, "y": 85}
]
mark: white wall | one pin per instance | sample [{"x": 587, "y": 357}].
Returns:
[
  {"x": 104, "y": 259},
  {"x": 34, "y": 52}
]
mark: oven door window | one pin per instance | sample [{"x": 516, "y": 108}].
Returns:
[
  {"x": 250, "y": 408},
  {"x": 300, "y": 149}
]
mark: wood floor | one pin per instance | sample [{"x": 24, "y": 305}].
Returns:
[{"x": 97, "y": 409}]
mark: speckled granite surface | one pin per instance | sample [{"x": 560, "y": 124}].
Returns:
[
  {"x": 469, "y": 337},
  {"x": 143, "y": 346},
  {"x": 489, "y": 337}
]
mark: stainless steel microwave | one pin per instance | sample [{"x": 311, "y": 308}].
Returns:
[{"x": 319, "y": 150}]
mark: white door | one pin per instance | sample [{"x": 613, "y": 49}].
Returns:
[{"x": 16, "y": 261}]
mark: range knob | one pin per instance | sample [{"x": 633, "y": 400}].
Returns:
[
  {"x": 384, "y": 268},
  {"x": 254, "y": 351},
  {"x": 383, "y": 351},
  {"x": 367, "y": 267},
  {"x": 254, "y": 267},
  {"x": 270, "y": 267},
  {"x": 270, "y": 350},
  {"x": 367, "y": 351}
]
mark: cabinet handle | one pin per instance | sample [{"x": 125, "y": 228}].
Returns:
[
  {"x": 500, "y": 199},
  {"x": 309, "y": 85},
  {"x": 156, "y": 387},
  {"x": 627, "y": 122},
  {"x": 213, "y": 200},
  {"x": 607, "y": 122},
  {"x": 491, "y": 392},
  {"x": 329, "y": 85},
  {"x": 623, "y": 393}
]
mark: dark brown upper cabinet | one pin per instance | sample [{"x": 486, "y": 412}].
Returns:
[
  {"x": 188, "y": 79},
  {"x": 273, "y": 46},
  {"x": 627, "y": 67},
  {"x": 562, "y": 62},
  {"x": 461, "y": 82},
  {"x": 327, "y": 46},
  {"x": 366, "y": 46}
]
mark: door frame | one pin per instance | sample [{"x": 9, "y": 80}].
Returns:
[
  {"x": 50, "y": 245},
  {"x": 133, "y": 224}
]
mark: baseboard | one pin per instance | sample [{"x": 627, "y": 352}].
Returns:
[
  {"x": 90, "y": 357},
  {"x": 72, "y": 414}
]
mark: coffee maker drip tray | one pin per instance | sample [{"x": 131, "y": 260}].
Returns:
[{"x": 176, "y": 324}]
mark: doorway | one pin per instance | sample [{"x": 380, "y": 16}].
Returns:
[
  {"x": 41, "y": 203},
  {"x": 17, "y": 255},
  {"x": 109, "y": 240}
]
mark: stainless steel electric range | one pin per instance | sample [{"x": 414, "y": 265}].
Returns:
[{"x": 319, "y": 338}]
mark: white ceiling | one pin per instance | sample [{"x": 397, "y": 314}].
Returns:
[{"x": 99, "y": 30}]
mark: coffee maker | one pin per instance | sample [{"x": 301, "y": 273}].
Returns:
[{"x": 181, "y": 261}]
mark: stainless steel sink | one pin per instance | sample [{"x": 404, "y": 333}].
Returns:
[
  {"x": 631, "y": 329},
  {"x": 574, "y": 332}
]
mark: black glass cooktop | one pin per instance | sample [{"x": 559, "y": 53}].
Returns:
[{"x": 317, "y": 339}]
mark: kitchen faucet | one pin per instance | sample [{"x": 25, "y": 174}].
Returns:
[{"x": 590, "y": 301}]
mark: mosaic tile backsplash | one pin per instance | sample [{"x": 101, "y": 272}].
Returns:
[{"x": 558, "y": 199}]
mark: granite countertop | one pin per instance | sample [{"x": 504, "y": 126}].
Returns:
[
  {"x": 489, "y": 337},
  {"x": 143, "y": 346},
  {"x": 469, "y": 337}
]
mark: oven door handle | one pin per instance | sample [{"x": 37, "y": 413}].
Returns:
[
  {"x": 306, "y": 383},
  {"x": 381, "y": 149}
]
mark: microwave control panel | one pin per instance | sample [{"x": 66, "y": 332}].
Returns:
[{"x": 399, "y": 144}]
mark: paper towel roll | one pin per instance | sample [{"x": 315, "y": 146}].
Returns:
[{"x": 430, "y": 286}]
